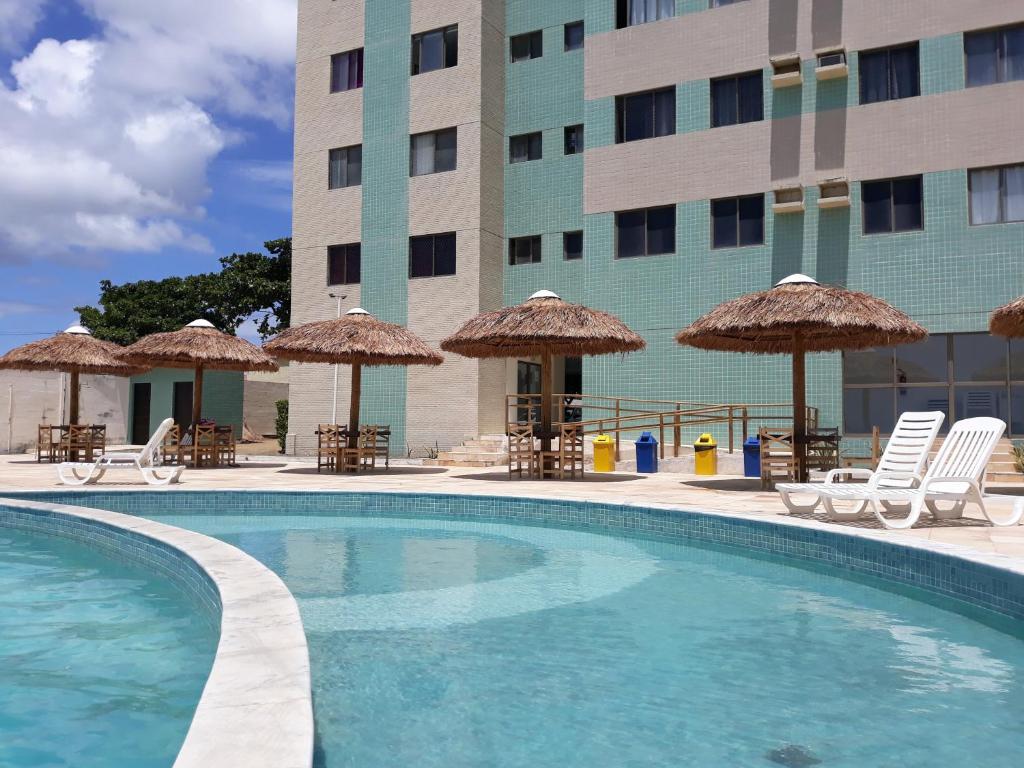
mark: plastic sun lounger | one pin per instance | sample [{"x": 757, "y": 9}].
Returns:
[
  {"x": 146, "y": 462},
  {"x": 905, "y": 453},
  {"x": 957, "y": 475}
]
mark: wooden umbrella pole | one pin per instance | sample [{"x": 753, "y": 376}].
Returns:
[
  {"x": 546, "y": 375},
  {"x": 197, "y": 398},
  {"x": 73, "y": 399},
  {"x": 353, "y": 408},
  {"x": 799, "y": 410}
]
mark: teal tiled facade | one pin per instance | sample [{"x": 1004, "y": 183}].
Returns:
[{"x": 222, "y": 396}]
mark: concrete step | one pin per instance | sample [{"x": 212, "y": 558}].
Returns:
[
  {"x": 439, "y": 462},
  {"x": 1004, "y": 478},
  {"x": 456, "y": 455}
]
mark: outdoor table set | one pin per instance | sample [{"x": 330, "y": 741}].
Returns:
[
  {"x": 336, "y": 452},
  {"x": 70, "y": 442}
]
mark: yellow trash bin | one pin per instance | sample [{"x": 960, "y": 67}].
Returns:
[
  {"x": 604, "y": 454},
  {"x": 705, "y": 455}
]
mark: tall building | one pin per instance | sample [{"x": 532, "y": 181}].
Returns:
[{"x": 653, "y": 158}]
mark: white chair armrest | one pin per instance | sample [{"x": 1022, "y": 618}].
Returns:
[
  {"x": 970, "y": 481},
  {"x": 913, "y": 477},
  {"x": 864, "y": 472}
]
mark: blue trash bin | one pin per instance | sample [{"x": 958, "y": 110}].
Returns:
[
  {"x": 752, "y": 457},
  {"x": 646, "y": 453}
]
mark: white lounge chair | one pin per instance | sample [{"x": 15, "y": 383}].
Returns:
[
  {"x": 957, "y": 475},
  {"x": 905, "y": 453},
  {"x": 147, "y": 462}
]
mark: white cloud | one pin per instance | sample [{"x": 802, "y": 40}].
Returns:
[
  {"x": 8, "y": 308},
  {"x": 105, "y": 143},
  {"x": 18, "y": 18}
]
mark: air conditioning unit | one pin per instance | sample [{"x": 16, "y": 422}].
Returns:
[
  {"x": 834, "y": 193},
  {"x": 831, "y": 64},
  {"x": 788, "y": 199},
  {"x": 786, "y": 70}
]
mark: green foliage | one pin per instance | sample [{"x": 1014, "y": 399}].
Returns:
[
  {"x": 1018, "y": 457},
  {"x": 281, "y": 423},
  {"x": 248, "y": 284}
]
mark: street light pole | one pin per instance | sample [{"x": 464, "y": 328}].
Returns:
[{"x": 334, "y": 407}]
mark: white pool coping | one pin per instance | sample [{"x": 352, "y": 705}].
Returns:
[{"x": 256, "y": 709}]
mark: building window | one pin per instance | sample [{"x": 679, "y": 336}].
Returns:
[
  {"x": 347, "y": 71},
  {"x": 890, "y": 73},
  {"x": 892, "y": 205},
  {"x": 432, "y": 255},
  {"x": 994, "y": 56},
  {"x": 437, "y": 49},
  {"x": 527, "y": 46},
  {"x": 721, "y": 3},
  {"x": 631, "y": 12},
  {"x": 346, "y": 167},
  {"x": 647, "y": 232},
  {"x": 738, "y": 99},
  {"x": 737, "y": 221},
  {"x": 573, "y": 139},
  {"x": 997, "y": 194},
  {"x": 645, "y": 115},
  {"x": 572, "y": 245},
  {"x": 343, "y": 263},
  {"x": 526, "y": 146},
  {"x": 433, "y": 152},
  {"x": 963, "y": 375},
  {"x": 524, "y": 250},
  {"x": 574, "y": 36}
]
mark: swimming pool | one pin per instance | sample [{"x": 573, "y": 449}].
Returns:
[
  {"x": 455, "y": 642},
  {"x": 102, "y": 663}
]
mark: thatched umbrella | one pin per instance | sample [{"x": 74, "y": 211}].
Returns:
[
  {"x": 74, "y": 351},
  {"x": 798, "y": 316},
  {"x": 198, "y": 346},
  {"x": 543, "y": 326},
  {"x": 1008, "y": 320},
  {"x": 357, "y": 339}
]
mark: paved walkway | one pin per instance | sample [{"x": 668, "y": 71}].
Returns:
[{"x": 722, "y": 494}]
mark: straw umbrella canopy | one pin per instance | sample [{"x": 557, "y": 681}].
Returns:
[
  {"x": 201, "y": 347},
  {"x": 1008, "y": 320},
  {"x": 798, "y": 316},
  {"x": 543, "y": 326},
  {"x": 356, "y": 339},
  {"x": 74, "y": 351}
]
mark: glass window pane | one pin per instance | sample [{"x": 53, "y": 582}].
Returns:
[
  {"x": 924, "y": 399},
  {"x": 353, "y": 263},
  {"x": 981, "y": 53},
  {"x": 723, "y": 102},
  {"x": 868, "y": 366},
  {"x": 355, "y": 70},
  {"x": 1017, "y": 411},
  {"x": 1013, "y": 201},
  {"x": 1013, "y": 53},
  {"x": 866, "y": 408},
  {"x": 444, "y": 254},
  {"x": 906, "y": 204},
  {"x": 723, "y": 217},
  {"x": 661, "y": 230},
  {"x": 572, "y": 245},
  {"x": 517, "y": 149},
  {"x": 417, "y": 46},
  {"x": 984, "y": 185},
  {"x": 751, "y": 98},
  {"x": 536, "y": 44},
  {"x": 520, "y": 45},
  {"x": 923, "y": 363},
  {"x": 639, "y": 116},
  {"x": 535, "y": 249},
  {"x": 451, "y": 46},
  {"x": 422, "y": 160},
  {"x": 1017, "y": 361},
  {"x": 536, "y": 146},
  {"x": 445, "y": 150},
  {"x": 339, "y": 72},
  {"x": 906, "y": 80},
  {"x": 354, "y": 169},
  {"x": 979, "y": 357},
  {"x": 665, "y": 112},
  {"x": 876, "y": 197},
  {"x": 973, "y": 401},
  {"x": 874, "y": 77},
  {"x": 336, "y": 169},
  {"x": 432, "y": 51},
  {"x": 421, "y": 256},
  {"x": 574, "y": 36},
  {"x": 751, "y": 214},
  {"x": 666, "y": 9},
  {"x": 336, "y": 265},
  {"x": 630, "y": 229}
]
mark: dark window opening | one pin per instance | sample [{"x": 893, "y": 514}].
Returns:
[
  {"x": 526, "y": 146},
  {"x": 892, "y": 205},
  {"x": 526, "y": 46},
  {"x": 432, "y": 255},
  {"x": 572, "y": 245},
  {"x": 437, "y": 49},
  {"x": 343, "y": 264},
  {"x": 737, "y": 221},
  {"x": 345, "y": 167},
  {"x": 645, "y": 115},
  {"x": 347, "y": 71},
  {"x": 574, "y": 36},
  {"x": 889, "y": 74},
  {"x": 646, "y": 232},
  {"x": 738, "y": 99},
  {"x": 433, "y": 152},
  {"x": 573, "y": 139},
  {"x": 524, "y": 250}
]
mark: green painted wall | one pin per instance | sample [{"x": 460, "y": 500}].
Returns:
[
  {"x": 223, "y": 393},
  {"x": 385, "y": 238}
]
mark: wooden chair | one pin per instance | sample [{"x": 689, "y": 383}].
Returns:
[
  {"x": 522, "y": 451},
  {"x": 48, "y": 443},
  {"x": 171, "y": 445},
  {"x": 76, "y": 443},
  {"x": 778, "y": 459},
  {"x": 382, "y": 446},
  {"x": 198, "y": 446},
  {"x": 568, "y": 459},
  {"x": 328, "y": 442},
  {"x": 224, "y": 446},
  {"x": 363, "y": 456}
]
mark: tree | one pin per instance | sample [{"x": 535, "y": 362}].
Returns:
[{"x": 248, "y": 285}]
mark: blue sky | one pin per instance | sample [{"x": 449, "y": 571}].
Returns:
[{"x": 138, "y": 139}]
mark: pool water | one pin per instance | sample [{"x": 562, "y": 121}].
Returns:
[
  {"x": 456, "y": 643},
  {"x": 101, "y": 663}
]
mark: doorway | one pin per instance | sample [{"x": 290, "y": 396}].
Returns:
[
  {"x": 527, "y": 383},
  {"x": 142, "y": 394},
  {"x": 182, "y": 406}
]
